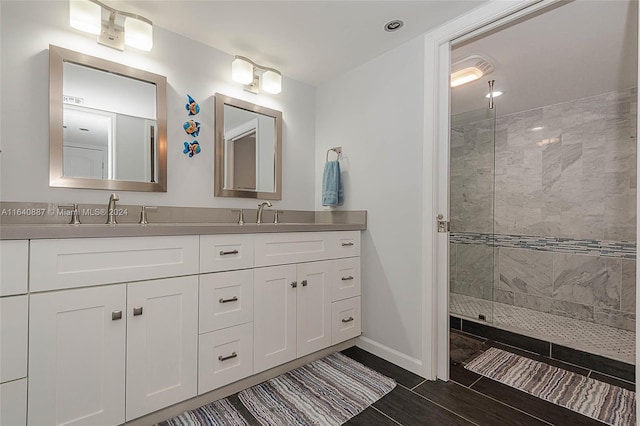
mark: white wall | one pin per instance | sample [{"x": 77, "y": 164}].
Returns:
[
  {"x": 375, "y": 112},
  {"x": 26, "y": 30}
]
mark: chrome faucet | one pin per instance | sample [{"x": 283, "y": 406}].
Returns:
[
  {"x": 111, "y": 209},
  {"x": 261, "y": 207}
]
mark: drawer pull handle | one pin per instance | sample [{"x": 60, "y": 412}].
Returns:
[
  {"x": 347, "y": 244},
  {"x": 233, "y": 299},
  {"x": 116, "y": 315},
  {"x": 294, "y": 284},
  {"x": 348, "y": 319},
  {"x": 349, "y": 278},
  {"x": 304, "y": 283},
  {"x": 224, "y": 253},
  {"x": 224, "y": 358},
  {"x": 137, "y": 311}
]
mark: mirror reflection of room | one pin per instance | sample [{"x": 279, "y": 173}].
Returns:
[
  {"x": 104, "y": 136},
  {"x": 249, "y": 150}
]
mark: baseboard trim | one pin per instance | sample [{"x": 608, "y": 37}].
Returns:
[
  {"x": 225, "y": 391},
  {"x": 396, "y": 357}
]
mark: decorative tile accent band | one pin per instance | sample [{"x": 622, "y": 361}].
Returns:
[{"x": 619, "y": 249}]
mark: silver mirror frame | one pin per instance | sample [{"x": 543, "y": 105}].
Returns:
[
  {"x": 57, "y": 57},
  {"x": 219, "y": 190}
]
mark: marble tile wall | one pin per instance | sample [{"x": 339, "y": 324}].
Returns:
[
  {"x": 575, "y": 176},
  {"x": 557, "y": 234},
  {"x": 588, "y": 287}
]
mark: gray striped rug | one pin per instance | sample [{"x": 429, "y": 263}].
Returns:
[
  {"x": 326, "y": 392},
  {"x": 601, "y": 401},
  {"x": 218, "y": 413}
]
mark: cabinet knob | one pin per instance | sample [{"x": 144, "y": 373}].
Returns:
[
  {"x": 224, "y": 253},
  {"x": 137, "y": 311},
  {"x": 349, "y": 278},
  {"x": 294, "y": 284},
  {"x": 348, "y": 319},
  {"x": 347, "y": 244},
  {"x": 116, "y": 315},
  {"x": 232, "y": 299},
  {"x": 304, "y": 283},
  {"x": 224, "y": 358}
]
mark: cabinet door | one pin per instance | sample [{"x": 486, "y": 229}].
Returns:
[
  {"x": 13, "y": 403},
  {"x": 162, "y": 343},
  {"x": 314, "y": 306},
  {"x": 274, "y": 320},
  {"x": 77, "y": 357},
  {"x": 13, "y": 337}
]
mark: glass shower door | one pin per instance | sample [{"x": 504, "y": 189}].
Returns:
[{"x": 471, "y": 195}]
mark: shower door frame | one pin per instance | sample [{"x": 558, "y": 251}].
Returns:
[{"x": 436, "y": 145}]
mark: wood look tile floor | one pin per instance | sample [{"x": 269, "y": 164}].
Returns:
[{"x": 467, "y": 399}]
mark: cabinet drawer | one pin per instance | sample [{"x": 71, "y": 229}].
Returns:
[
  {"x": 13, "y": 403},
  {"x": 13, "y": 337},
  {"x": 226, "y": 299},
  {"x": 225, "y": 356},
  {"x": 225, "y": 252},
  {"x": 70, "y": 263},
  {"x": 344, "y": 244},
  {"x": 280, "y": 249},
  {"x": 14, "y": 265},
  {"x": 345, "y": 319},
  {"x": 347, "y": 279}
]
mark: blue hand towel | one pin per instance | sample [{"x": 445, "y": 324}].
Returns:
[{"x": 332, "y": 192}]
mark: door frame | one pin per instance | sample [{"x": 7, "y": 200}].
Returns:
[{"x": 437, "y": 107}]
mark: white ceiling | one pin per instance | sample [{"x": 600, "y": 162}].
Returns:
[
  {"x": 309, "y": 41},
  {"x": 576, "y": 50}
]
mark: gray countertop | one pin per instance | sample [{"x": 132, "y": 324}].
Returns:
[
  {"x": 45, "y": 231},
  {"x": 50, "y": 222}
]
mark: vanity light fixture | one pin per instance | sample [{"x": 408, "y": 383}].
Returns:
[
  {"x": 469, "y": 69},
  {"x": 116, "y": 29},
  {"x": 255, "y": 76}
]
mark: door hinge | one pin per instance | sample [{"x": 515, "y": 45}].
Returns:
[{"x": 443, "y": 225}]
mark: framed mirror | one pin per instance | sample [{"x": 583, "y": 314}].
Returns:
[
  {"x": 107, "y": 124},
  {"x": 248, "y": 157}
]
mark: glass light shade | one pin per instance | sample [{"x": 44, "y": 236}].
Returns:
[
  {"x": 465, "y": 75},
  {"x": 138, "y": 34},
  {"x": 496, "y": 93},
  {"x": 271, "y": 82},
  {"x": 242, "y": 71},
  {"x": 85, "y": 16}
]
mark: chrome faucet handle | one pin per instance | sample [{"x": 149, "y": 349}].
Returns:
[
  {"x": 276, "y": 219},
  {"x": 143, "y": 213},
  {"x": 240, "y": 215},
  {"x": 75, "y": 214}
]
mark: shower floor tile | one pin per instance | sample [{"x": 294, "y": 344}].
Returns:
[{"x": 598, "y": 339}]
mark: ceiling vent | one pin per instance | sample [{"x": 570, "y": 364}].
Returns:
[{"x": 469, "y": 69}]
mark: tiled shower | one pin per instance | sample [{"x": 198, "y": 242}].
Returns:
[{"x": 543, "y": 222}]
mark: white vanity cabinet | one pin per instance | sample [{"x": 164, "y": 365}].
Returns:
[
  {"x": 293, "y": 308},
  {"x": 106, "y": 330},
  {"x": 88, "y": 345},
  {"x": 14, "y": 261}
]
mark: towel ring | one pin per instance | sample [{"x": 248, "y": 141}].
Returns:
[{"x": 337, "y": 150}]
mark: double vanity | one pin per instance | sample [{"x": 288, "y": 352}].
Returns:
[{"x": 103, "y": 330}]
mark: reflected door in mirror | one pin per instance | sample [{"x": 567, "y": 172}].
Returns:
[{"x": 112, "y": 114}]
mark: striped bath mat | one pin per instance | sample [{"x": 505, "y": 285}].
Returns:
[
  {"x": 218, "y": 413},
  {"x": 601, "y": 401},
  {"x": 326, "y": 392}
]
